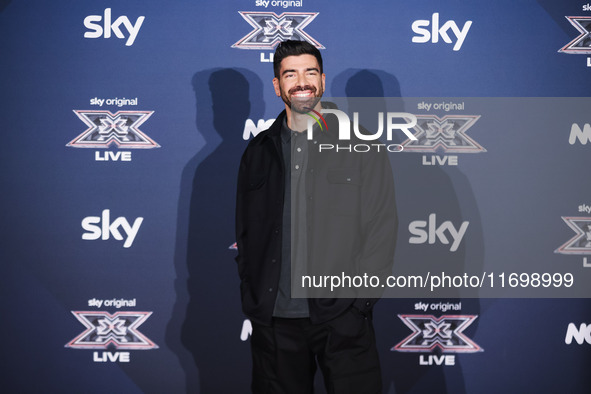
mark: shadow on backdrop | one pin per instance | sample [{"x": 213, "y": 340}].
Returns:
[
  {"x": 207, "y": 319},
  {"x": 4, "y": 4}
]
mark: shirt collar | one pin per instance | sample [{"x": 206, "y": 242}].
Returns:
[{"x": 285, "y": 132}]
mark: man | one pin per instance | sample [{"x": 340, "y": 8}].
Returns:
[{"x": 299, "y": 211}]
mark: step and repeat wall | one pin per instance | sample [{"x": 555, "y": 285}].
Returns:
[{"x": 123, "y": 123}]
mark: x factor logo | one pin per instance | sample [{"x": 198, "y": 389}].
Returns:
[
  {"x": 445, "y": 332},
  {"x": 447, "y": 134},
  {"x": 582, "y": 43},
  {"x": 581, "y": 242},
  {"x": 119, "y": 330},
  {"x": 106, "y": 128},
  {"x": 270, "y": 29}
]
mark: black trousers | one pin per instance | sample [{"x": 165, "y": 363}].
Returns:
[{"x": 285, "y": 356}]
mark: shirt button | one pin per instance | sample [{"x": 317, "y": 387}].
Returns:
[
  {"x": 270, "y": 289},
  {"x": 297, "y": 166},
  {"x": 299, "y": 149},
  {"x": 367, "y": 303},
  {"x": 273, "y": 261}
]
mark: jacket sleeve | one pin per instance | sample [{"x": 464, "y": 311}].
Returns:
[{"x": 240, "y": 224}]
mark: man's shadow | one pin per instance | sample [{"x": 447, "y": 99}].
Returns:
[
  {"x": 207, "y": 319},
  {"x": 420, "y": 190}
]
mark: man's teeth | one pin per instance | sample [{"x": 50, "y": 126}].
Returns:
[{"x": 302, "y": 94}]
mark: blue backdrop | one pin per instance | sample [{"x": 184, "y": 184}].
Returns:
[{"x": 123, "y": 124}]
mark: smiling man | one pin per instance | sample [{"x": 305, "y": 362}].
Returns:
[
  {"x": 299, "y": 79},
  {"x": 301, "y": 211}
]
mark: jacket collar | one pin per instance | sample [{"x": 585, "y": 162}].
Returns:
[
  {"x": 275, "y": 129},
  {"x": 274, "y": 134}
]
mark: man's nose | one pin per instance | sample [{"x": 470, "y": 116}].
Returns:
[{"x": 301, "y": 80}]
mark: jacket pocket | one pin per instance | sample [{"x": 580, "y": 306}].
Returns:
[
  {"x": 344, "y": 176},
  {"x": 255, "y": 197},
  {"x": 343, "y": 190}
]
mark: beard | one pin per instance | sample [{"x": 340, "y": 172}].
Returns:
[{"x": 302, "y": 104}]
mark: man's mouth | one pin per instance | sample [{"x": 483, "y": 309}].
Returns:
[{"x": 303, "y": 93}]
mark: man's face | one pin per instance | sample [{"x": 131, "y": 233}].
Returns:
[{"x": 300, "y": 84}]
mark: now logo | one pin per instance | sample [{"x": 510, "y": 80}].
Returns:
[
  {"x": 102, "y": 227},
  {"x": 250, "y": 129},
  {"x": 97, "y": 30},
  {"x": 582, "y": 134},
  {"x": 581, "y": 334}
]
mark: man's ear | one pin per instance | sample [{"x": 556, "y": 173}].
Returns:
[{"x": 276, "y": 86}]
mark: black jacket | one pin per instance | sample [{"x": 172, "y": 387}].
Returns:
[{"x": 351, "y": 216}]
